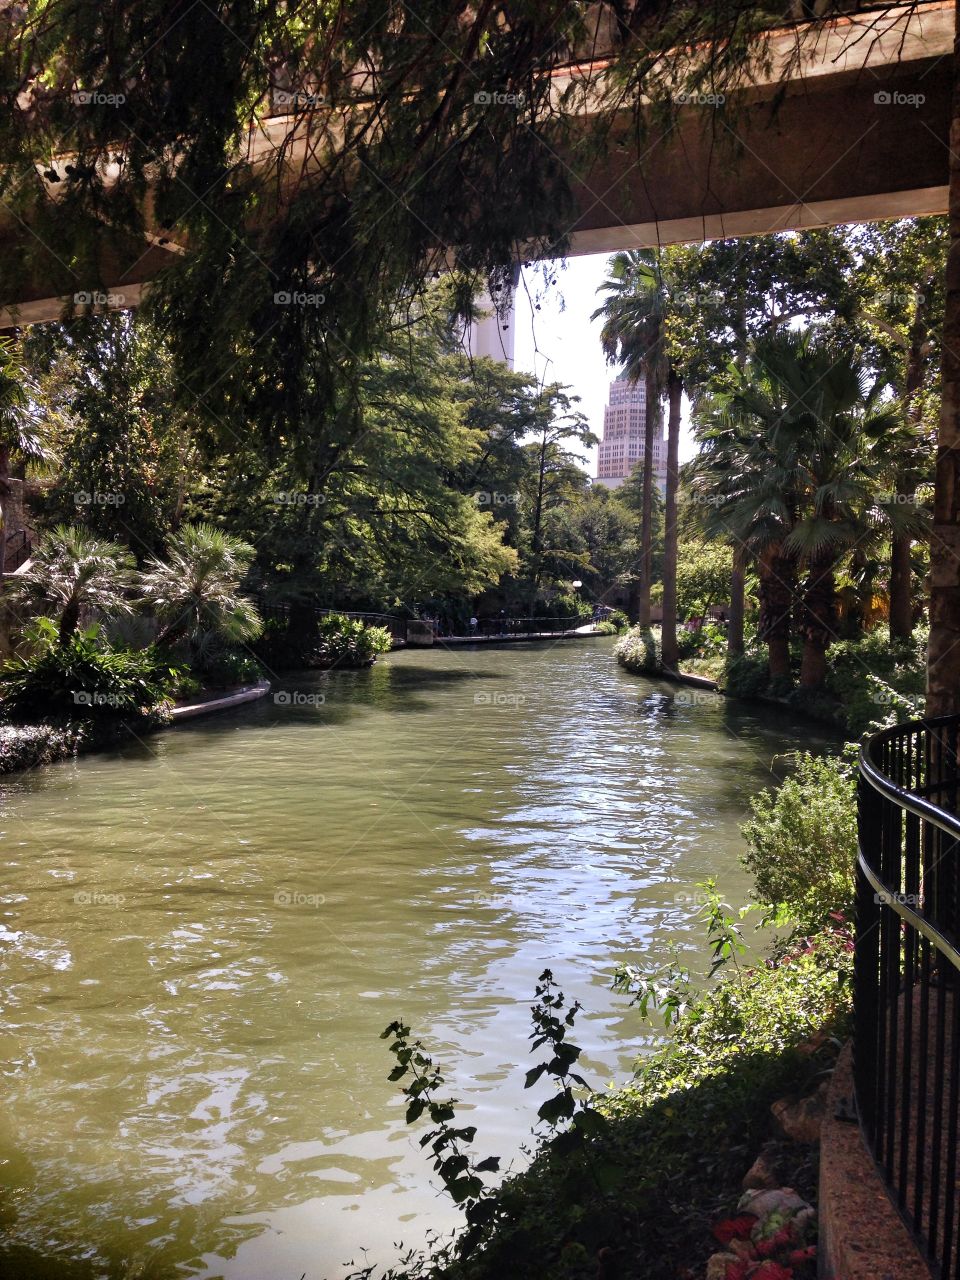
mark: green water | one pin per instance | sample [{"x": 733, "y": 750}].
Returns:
[{"x": 202, "y": 936}]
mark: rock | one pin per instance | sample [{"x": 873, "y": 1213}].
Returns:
[
  {"x": 717, "y": 1265},
  {"x": 762, "y": 1175},
  {"x": 801, "y": 1121},
  {"x": 783, "y": 1200}
]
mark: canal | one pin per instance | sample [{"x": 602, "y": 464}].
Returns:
[{"x": 203, "y": 934}]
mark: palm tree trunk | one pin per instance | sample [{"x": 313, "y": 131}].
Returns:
[
  {"x": 901, "y": 544},
  {"x": 4, "y": 493},
  {"x": 777, "y": 575},
  {"x": 735, "y": 625},
  {"x": 943, "y": 651},
  {"x": 901, "y": 604},
  {"x": 646, "y": 520},
  {"x": 668, "y": 632},
  {"x": 819, "y": 622}
]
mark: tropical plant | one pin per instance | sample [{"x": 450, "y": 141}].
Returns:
[
  {"x": 72, "y": 574},
  {"x": 348, "y": 642},
  {"x": 196, "y": 590},
  {"x": 633, "y": 334},
  {"x": 82, "y": 678},
  {"x": 794, "y": 466}
]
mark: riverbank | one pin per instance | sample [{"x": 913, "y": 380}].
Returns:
[{"x": 31, "y": 746}]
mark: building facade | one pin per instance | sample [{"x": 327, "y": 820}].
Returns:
[{"x": 621, "y": 445}]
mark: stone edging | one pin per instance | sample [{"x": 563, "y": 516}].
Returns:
[{"x": 234, "y": 698}]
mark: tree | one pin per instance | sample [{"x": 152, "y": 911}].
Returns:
[
  {"x": 554, "y": 469},
  {"x": 634, "y": 334},
  {"x": 20, "y": 437},
  {"x": 72, "y": 573},
  {"x": 196, "y": 589},
  {"x": 804, "y": 428},
  {"x": 899, "y": 278},
  {"x": 124, "y": 448}
]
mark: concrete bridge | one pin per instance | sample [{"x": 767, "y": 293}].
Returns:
[{"x": 855, "y": 130}]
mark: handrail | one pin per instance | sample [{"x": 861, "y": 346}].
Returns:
[
  {"x": 910, "y": 801},
  {"x": 907, "y": 976}
]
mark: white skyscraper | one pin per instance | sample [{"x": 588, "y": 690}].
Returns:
[{"x": 621, "y": 446}]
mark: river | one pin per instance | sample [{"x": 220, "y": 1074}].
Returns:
[{"x": 203, "y": 934}]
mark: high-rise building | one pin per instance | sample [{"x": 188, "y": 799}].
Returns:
[{"x": 621, "y": 446}]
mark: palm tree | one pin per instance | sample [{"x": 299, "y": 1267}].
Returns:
[
  {"x": 19, "y": 438},
  {"x": 196, "y": 590},
  {"x": 812, "y": 430},
  {"x": 73, "y": 572},
  {"x": 745, "y": 490},
  {"x": 634, "y": 315}
]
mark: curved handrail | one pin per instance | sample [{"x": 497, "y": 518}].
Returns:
[
  {"x": 907, "y": 800},
  {"x": 920, "y": 808}
]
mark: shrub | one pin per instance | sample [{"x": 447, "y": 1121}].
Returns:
[
  {"x": 802, "y": 841},
  {"x": 348, "y": 642},
  {"x": 607, "y": 628},
  {"x": 219, "y": 667},
  {"x": 703, "y": 641},
  {"x": 677, "y": 1139},
  {"x": 639, "y": 652},
  {"x": 83, "y": 679},
  {"x": 869, "y": 676},
  {"x": 746, "y": 676}
]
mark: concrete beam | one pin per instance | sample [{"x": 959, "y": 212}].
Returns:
[{"x": 852, "y": 128}]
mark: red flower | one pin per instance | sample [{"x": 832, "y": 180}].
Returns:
[
  {"x": 734, "y": 1228},
  {"x": 736, "y": 1270}
]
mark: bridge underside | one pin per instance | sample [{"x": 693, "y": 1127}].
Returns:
[{"x": 860, "y": 134}]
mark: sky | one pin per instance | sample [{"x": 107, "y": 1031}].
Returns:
[{"x": 559, "y": 343}]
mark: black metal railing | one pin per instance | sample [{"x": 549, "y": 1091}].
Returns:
[
  {"x": 283, "y": 611},
  {"x": 497, "y": 626},
  {"x": 907, "y": 977},
  {"x": 17, "y": 550}
]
